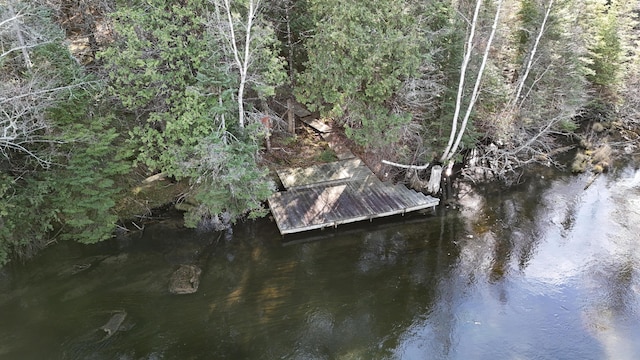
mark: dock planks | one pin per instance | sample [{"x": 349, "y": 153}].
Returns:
[
  {"x": 337, "y": 193},
  {"x": 325, "y": 174}
]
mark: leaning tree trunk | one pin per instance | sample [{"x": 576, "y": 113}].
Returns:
[
  {"x": 532, "y": 55},
  {"x": 290, "y": 113},
  {"x": 463, "y": 69},
  {"x": 455, "y": 137}
]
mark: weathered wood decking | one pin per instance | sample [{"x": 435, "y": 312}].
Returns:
[
  {"x": 325, "y": 174},
  {"x": 336, "y": 193}
]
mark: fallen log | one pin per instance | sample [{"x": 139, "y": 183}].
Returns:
[{"x": 592, "y": 180}]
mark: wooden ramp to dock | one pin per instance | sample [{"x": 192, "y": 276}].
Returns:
[
  {"x": 327, "y": 133},
  {"x": 336, "y": 193}
]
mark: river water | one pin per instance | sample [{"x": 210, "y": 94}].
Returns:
[{"x": 545, "y": 270}]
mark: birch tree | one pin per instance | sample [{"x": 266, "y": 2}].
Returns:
[
  {"x": 458, "y": 127},
  {"x": 22, "y": 121},
  {"x": 516, "y": 99},
  {"x": 58, "y": 156},
  {"x": 174, "y": 68},
  {"x": 248, "y": 44},
  {"x": 452, "y": 146},
  {"x": 543, "y": 67}
]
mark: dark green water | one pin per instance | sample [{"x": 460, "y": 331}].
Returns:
[{"x": 543, "y": 271}]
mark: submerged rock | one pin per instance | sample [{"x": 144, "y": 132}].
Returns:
[
  {"x": 185, "y": 280},
  {"x": 86, "y": 264},
  {"x": 114, "y": 324}
]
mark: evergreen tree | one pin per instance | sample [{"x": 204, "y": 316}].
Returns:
[
  {"x": 170, "y": 66},
  {"x": 59, "y": 164},
  {"x": 609, "y": 29},
  {"x": 358, "y": 57}
]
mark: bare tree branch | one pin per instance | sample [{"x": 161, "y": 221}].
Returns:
[
  {"x": 15, "y": 17},
  {"x": 22, "y": 48},
  {"x": 44, "y": 91},
  {"x": 403, "y": 166}
]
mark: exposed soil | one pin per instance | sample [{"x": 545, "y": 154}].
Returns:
[{"x": 307, "y": 147}]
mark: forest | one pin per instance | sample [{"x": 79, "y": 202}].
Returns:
[{"x": 98, "y": 95}]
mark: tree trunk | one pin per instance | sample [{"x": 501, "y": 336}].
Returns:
[
  {"x": 463, "y": 70},
  {"x": 21, "y": 42},
  {"x": 292, "y": 78},
  {"x": 452, "y": 147},
  {"x": 532, "y": 55},
  {"x": 267, "y": 124},
  {"x": 242, "y": 59},
  {"x": 434, "y": 180},
  {"x": 291, "y": 116},
  {"x": 476, "y": 87}
]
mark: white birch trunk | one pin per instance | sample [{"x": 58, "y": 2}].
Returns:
[
  {"x": 476, "y": 87},
  {"x": 402, "y": 166},
  {"x": 242, "y": 57},
  {"x": 463, "y": 71},
  {"x": 456, "y": 134},
  {"x": 527, "y": 69}
]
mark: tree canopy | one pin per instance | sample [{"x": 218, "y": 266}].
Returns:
[{"x": 92, "y": 93}]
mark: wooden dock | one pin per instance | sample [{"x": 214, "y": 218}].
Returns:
[{"x": 337, "y": 193}]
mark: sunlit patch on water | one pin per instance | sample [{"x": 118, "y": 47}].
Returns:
[{"x": 550, "y": 276}]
